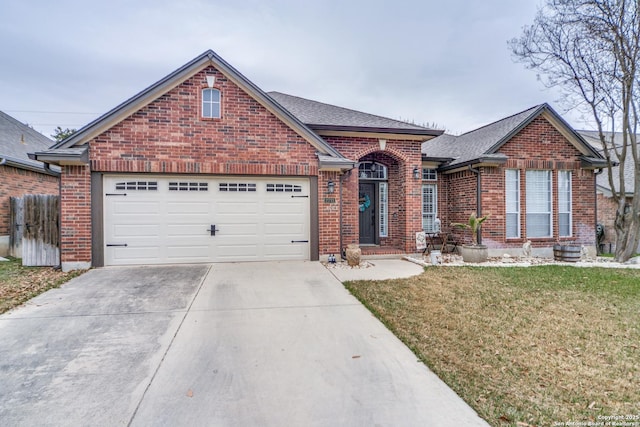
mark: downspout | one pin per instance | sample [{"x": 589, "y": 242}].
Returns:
[
  {"x": 595, "y": 213},
  {"x": 478, "y": 199}
]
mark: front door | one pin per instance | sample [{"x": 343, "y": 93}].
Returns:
[{"x": 367, "y": 209}]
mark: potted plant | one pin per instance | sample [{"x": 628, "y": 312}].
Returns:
[{"x": 473, "y": 252}]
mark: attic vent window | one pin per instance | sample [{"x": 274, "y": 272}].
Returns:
[{"x": 211, "y": 103}]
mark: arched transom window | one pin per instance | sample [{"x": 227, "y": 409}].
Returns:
[{"x": 372, "y": 170}]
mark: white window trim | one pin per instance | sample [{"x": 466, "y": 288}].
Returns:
[
  {"x": 562, "y": 175},
  {"x": 365, "y": 171},
  {"x": 427, "y": 171},
  {"x": 518, "y": 210},
  {"x": 435, "y": 206},
  {"x": 530, "y": 209},
  {"x": 383, "y": 213},
  {"x": 219, "y": 103}
]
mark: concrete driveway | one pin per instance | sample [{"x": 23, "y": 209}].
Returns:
[{"x": 259, "y": 344}]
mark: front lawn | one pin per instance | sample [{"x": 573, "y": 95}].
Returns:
[
  {"x": 523, "y": 346},
  {"x": 19, "y": 284}
]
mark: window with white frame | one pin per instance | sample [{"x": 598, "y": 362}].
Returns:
[
  {"x": 512, "y": 202},
  {"x": 429, "y": 207},
  {"x": 564, "y": 204},
  {"x": 372, "y": 170},
  {"x": 211, "y": 103},
  {"x": 539, "y": 205},
  {"x": 383, "y": 221},
  {"x": 429, "y": 174}
]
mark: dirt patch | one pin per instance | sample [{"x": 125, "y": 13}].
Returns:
[{"x": 19, "y": 284}]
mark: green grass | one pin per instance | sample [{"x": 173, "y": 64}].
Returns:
[
  {"x": 533, "y": 345},
  {"x": 19, "y": 284}
]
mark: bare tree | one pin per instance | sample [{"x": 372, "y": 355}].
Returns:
[{"x": 590, "y": 50}]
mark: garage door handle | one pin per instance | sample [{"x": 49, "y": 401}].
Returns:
[
  {"x": 123, "y": 245},
  {"x": 299, "y": 241},
  {"x": 213, "y": 230}
]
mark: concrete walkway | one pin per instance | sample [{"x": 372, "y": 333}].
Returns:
[{"x": 267, "y": 344}]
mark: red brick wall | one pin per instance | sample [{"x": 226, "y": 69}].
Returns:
[
  {"x": 460, "y": 194},
  {"x": 539, "y": 146},
  {"x": 75, "y": 219},
  {"x": 405, "y": 194},
  {"x": 169, "y": 136},
  {"x": 15, "y": 182},
  {"x": 328, "y": 215}
]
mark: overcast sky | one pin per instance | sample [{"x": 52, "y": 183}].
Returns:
[{"x": 64, "y": 63}]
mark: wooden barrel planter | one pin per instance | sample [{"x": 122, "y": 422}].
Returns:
[{"x": 567, "y": 253}]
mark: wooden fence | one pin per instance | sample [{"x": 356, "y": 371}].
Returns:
[{"x": 34, "y": 229}]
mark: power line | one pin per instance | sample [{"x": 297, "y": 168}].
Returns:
[{"x": 47, "y": 112}]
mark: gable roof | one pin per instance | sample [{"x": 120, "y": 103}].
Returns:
[
  {"x": 602, "y": 180},
  {"x": 320, "y": 116},
  {"x": 481, "y": 145},
  {"x": 17, "y": 140},
  {"x": 148, "y": 95}
]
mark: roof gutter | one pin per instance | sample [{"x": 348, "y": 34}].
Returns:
[
  {"x": 62, "y": 157},
  {"x": 484, "y": 161},
  {"x": 7, "y": 161}
]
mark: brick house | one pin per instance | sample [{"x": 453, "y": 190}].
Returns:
[
  {"x": 605, "y": 204},
  {"x": 203, "y": 166},
  {"x": 531, "y": 172},
  {"x": 20, "y": 175}
]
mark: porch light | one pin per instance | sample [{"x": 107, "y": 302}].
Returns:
[
  {"x": 331, "y": 187},
  {"x": 416, "y": 173}
]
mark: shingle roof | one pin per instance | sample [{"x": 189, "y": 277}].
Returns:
[
  {"x": 318, "y": 114},
  {"x": 18, "y": 139},
  {"x": 485, "y": 140},
  {"x": 208, "y": 58},
  {"x": 592, "y": 137}
]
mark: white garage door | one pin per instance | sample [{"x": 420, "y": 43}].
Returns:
[{"x": 184, "y": 219}]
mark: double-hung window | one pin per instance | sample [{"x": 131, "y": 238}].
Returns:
[
  {"x": 429, "y": 206},
  {"x": 512, "y": 202},
  {"x": 539, "y": 205},
  {"x": 564, "y": 204}
]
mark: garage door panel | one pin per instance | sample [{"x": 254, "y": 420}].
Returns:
[
  {"x": 229, "y": 233},
  {"x": 135, "y": 230},
  {"x": 283, "y": 251},
  {"x": 136, "y": 255},
  {"x": 136, "y": 208},
  {"x": 284, "y": 209},
  {"x": 188, "y": 230},
  {"x": 238, "y": 207},
  {"x": 168, "y": 222},
  {"x": 285, "y": 229},
  {"x": 187, "y": 252}
]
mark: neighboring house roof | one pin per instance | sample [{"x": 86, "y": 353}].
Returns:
[
  {"x": 320, "y": 116},
  {"x": 602, "y": 181},
  {"x": 17, "y": 140},
  {"x": 148, "y": 95},
  {"x": 481, "y": 145}
]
